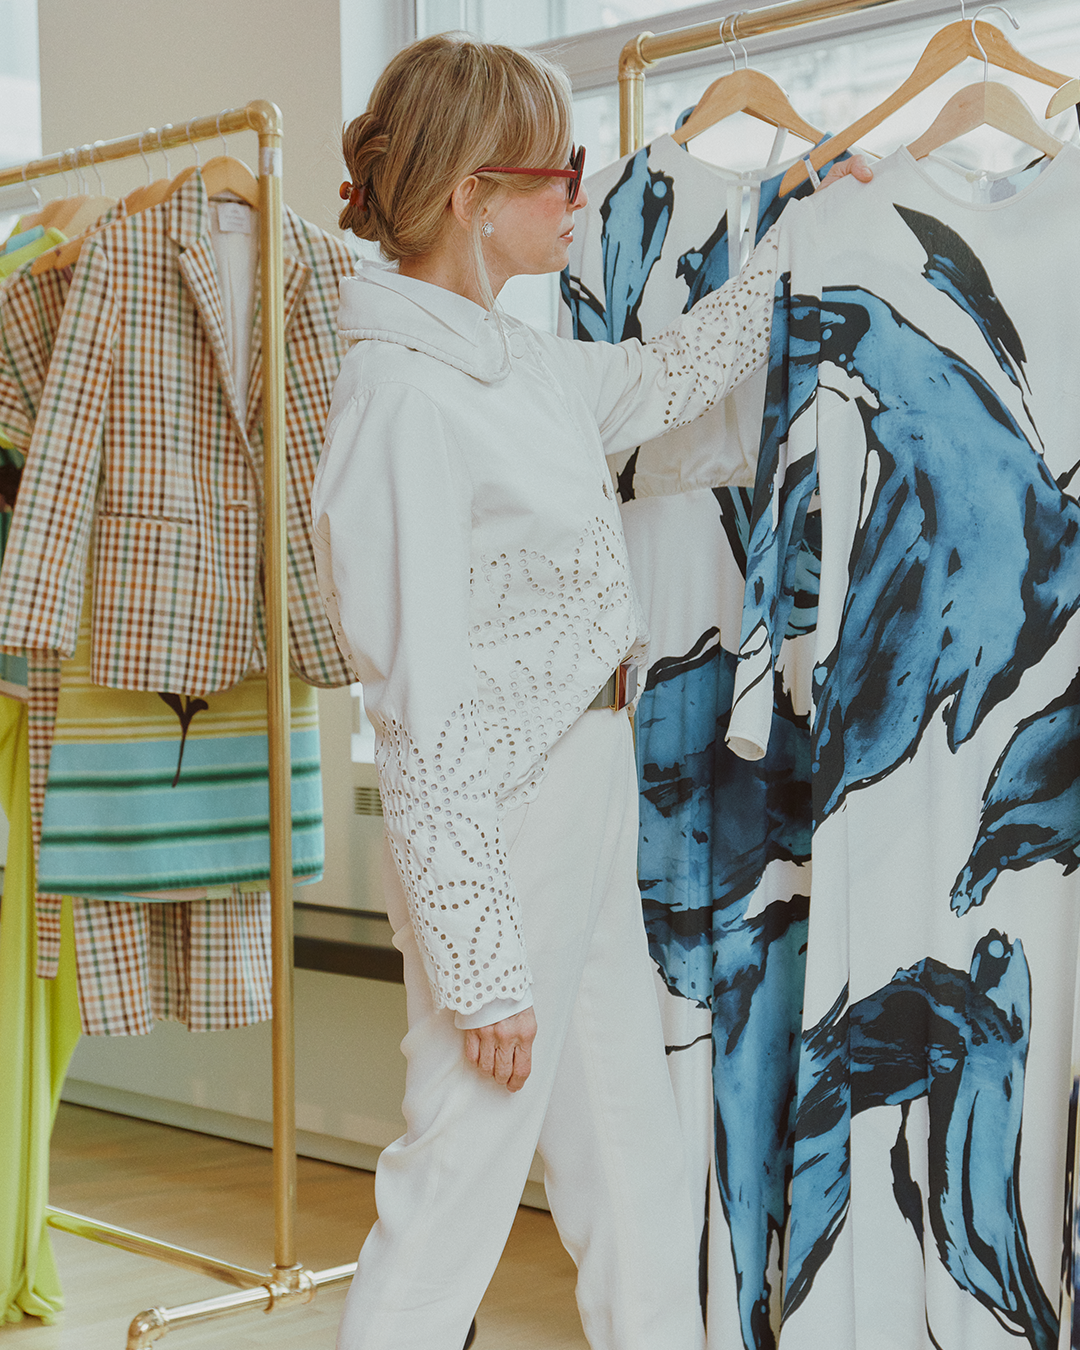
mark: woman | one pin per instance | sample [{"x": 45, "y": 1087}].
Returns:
[{"x": 472, "y": 561}]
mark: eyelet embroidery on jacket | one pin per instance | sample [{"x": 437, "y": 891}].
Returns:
[
  {"x": 558, "y": 634},
  {"x": 567, "y": 628},
  {"x": 463, "y": 910},
  {"x": 702, "y": 355}
]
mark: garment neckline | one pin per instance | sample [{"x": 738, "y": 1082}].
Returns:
[
  {"x": 1051, "y": 168},
  {"x": 736, "y": 176}
]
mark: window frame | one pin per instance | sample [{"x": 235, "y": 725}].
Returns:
[{"x": 592, "y": 59}]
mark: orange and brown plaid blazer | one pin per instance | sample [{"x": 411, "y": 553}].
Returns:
[{"x": 140, "y": 447}]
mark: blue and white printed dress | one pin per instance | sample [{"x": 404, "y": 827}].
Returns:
[
  {"x": 921, "y": 451},
  {"x": 724, "y": 844}
]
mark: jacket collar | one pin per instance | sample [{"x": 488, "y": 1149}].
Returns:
[
  {"x": 188, "y": 224},
  {"x": 378, "y": 302}
]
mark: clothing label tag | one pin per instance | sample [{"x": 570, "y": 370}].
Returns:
[{"x": 234, "y": 218}]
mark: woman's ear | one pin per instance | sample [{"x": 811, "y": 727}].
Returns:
[{"x": 463, "y": 201}]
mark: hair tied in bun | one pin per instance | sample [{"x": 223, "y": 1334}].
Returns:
[{"x": 355, "y": 196}]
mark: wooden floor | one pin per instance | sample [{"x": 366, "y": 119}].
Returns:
[{"x": 213, "y": 1195}]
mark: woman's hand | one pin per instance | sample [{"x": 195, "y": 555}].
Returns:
[
  {"x": 503, "y": 1050},
  {"x": 856, "y": 166}
]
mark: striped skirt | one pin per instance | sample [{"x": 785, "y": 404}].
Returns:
[{"x": 166, "y": 796}]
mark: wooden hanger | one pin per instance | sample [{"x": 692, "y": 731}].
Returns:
[
  {"x": 66, "y": 255},
  {"x": 749, "y": 91},
  {"x": 226, "y": 174},
  {"x": 180, "y": 179},
  {"x": 990, "y": 104},
  {"x": 944, "y": 52},
  {"x": 89, "y": 212},
  {"x": 222, "y": 174},
  {"x": 1066, "y": 97},
  {"x": 56, "y": 214}
]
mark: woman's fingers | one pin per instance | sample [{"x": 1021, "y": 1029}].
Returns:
[
  {"x": 522, "y": 1067},
  {"x": 857, "y": 166},
  {"x": 503, "y": 1050}
]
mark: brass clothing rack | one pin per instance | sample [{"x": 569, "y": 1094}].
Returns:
[
  {"x": 646, "y": 49},
  {"x": 288, "y": 1283}
]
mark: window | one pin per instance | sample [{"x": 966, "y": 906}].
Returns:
[
  {"x": 541, "y": 20},
  {"x": 20, "y": 99},
  {"x": 833, "y": 82}
]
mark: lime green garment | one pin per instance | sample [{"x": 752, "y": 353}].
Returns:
[
  {"x": 11, "y": 262},
  {"x": 39, "y": 1028}
]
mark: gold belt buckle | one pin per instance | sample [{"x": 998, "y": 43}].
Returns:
[{"x": 619, "y": 690}]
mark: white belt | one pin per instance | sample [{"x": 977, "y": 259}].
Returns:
[{"x": 619, "y": 689}]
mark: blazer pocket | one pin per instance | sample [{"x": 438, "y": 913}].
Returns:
[{"x": 172, "y": 611}]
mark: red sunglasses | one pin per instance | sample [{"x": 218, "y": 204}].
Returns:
[{"x": 572, "y": 174}]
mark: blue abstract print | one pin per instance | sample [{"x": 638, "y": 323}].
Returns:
[
  {"x": 712, "y": 825},
  {"x": 1031, "y": 807},
  {"x": 960, "y": 1039},
  {"x": 635, "y": 215},
  {"x": 950, "y": 603}
]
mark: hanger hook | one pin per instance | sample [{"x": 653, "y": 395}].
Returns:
[
  {"x": 94, "y": 165},
  {"x": 975, "y": 36},
  {"x": 194, "y": 146},
  {"x": 161, "y": 148},
  {"x": 80, "y": 178},
  {"x": 221, "y": 134},
  {"x": 735, "y": 38},
  {"x": 31, "y": 186},
  {"x": 728, "y": 49},
  {"x": 142, "y": 155}
]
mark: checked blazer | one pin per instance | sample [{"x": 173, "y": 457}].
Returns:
[{"x": 140, "y": 448}]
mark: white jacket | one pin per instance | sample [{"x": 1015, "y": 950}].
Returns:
[{"x": 471, "y": 558}]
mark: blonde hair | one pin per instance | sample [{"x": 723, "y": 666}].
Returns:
[{"x": 443, "y": 108}]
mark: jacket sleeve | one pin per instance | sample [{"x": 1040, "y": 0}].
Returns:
[
  {"x": 641, "y": 392},
  {"x": 30, "y": 312},
  {"x": 41, "y": 584},
  {"x": 392, "y": 505}
]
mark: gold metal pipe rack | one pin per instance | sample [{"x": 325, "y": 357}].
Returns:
[
  {"x": 646, "y": 49},
  {"x": 287, "y": 1283}
]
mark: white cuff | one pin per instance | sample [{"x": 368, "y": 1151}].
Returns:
[{"x": 494, "y": 1011}]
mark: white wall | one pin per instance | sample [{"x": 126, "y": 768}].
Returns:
[
  {"x": 350, "y": 1074},
  {"x": 110, "y": 68},
  {"x": 113, "y": 67}
]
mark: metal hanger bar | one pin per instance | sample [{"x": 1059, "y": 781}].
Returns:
[
  {"x": 648, "y": 48},
  {"x": 259, "y": 116},
  {"x": 288, "y": 1283}
]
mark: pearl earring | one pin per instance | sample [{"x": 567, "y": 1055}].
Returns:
[{"x": 487, "y": 229}]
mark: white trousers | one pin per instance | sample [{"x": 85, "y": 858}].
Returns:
[{"x": 598, "y": 1104}]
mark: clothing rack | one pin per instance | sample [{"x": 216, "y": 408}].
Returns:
[
  {"x": 648, "y": 48},
  {"x": 288, "y": 1283}
]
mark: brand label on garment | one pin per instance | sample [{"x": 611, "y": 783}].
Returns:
[{"x": 234, "y": 218}]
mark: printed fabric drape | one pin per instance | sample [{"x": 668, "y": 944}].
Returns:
[
  {"x": 724, "y": 845},
  {"x": 921, "y": 440}
]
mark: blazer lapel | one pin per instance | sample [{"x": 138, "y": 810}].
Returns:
[
  {"x": 190, "y": 228},
  {"x": 296, "y": 279}
]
